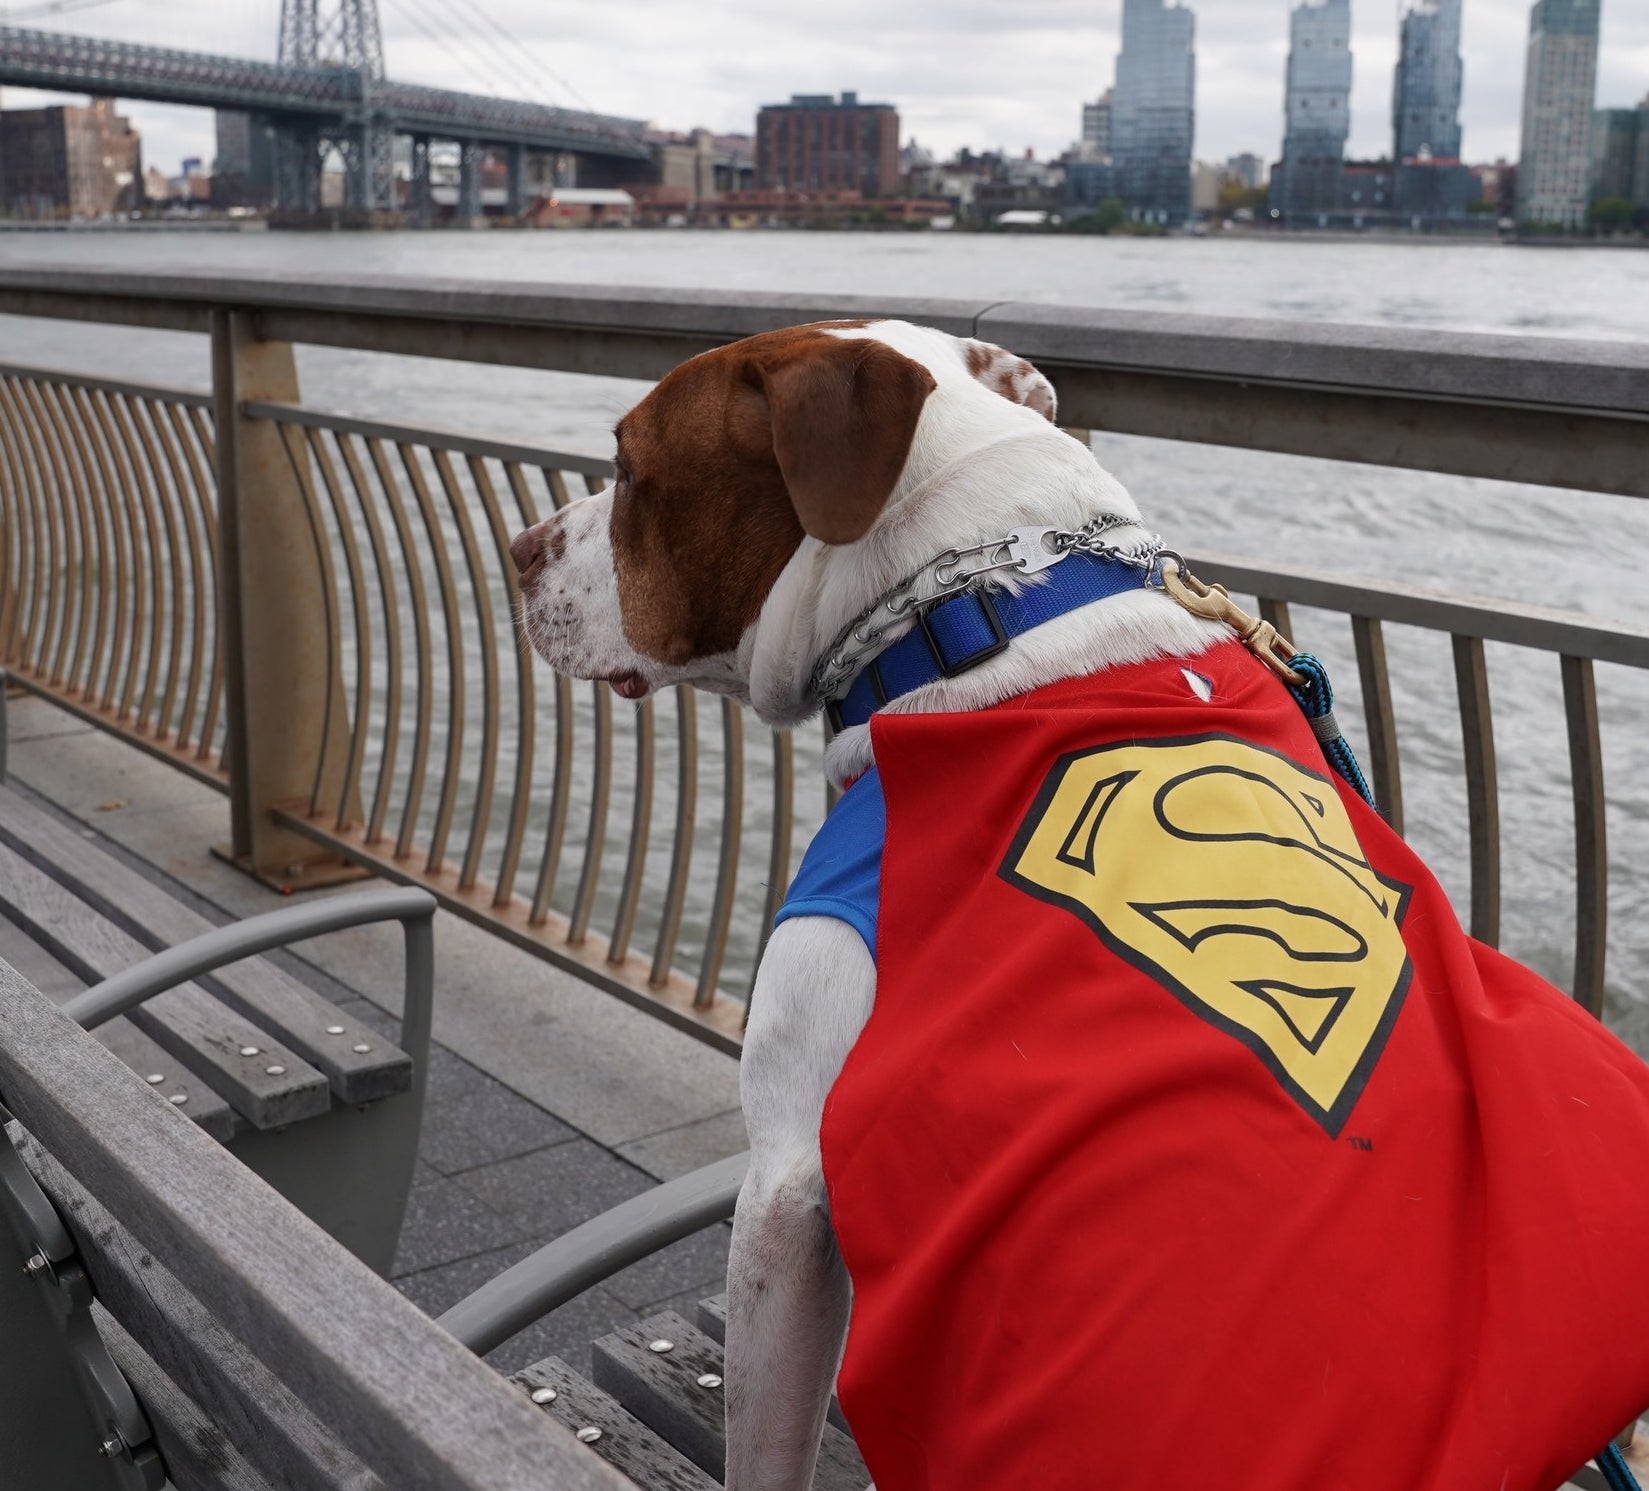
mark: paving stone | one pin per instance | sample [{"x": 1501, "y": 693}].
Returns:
[
  {"x": 436, "y": 1290},
  {"x": 484, "y": 1126},
  {"x": 555, "y": 1189},
  {"x": 695, "y": 1266},
  {"x": 690, "y": 1147},
  {"x": 444, "y": 1223},
  {"x": 565, "y": 1333}
]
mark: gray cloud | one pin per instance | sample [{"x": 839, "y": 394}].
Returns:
[{"x": 984, "y": 73}]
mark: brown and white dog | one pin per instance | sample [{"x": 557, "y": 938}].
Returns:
[{"x": 766, "y": 494}]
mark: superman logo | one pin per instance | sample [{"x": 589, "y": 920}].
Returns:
[{"x": 1232, "y": 877}]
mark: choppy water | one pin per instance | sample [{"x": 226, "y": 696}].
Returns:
[{"x": 1549, "y": 547}]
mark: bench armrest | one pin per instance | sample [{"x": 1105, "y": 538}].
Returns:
[
  {"x": 594, "y": 1251},
  {"x": 414, "y": 909}
]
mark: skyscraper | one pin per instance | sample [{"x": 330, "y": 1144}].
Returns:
[
  {"x": 1559, "y": 86},
  {"x": 1425, "y": 106},
  {"x": 1096, "y": 127},
  {"x": 1153, "y": 112},
  {"x": 1316, "y": 110}
]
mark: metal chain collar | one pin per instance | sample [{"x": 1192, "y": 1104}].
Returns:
[{"x": 1028, "y": 551}]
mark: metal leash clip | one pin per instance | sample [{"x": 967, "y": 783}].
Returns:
[{"x": 1213, "y": 604}]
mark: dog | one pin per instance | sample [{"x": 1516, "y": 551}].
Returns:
[{"x": 1112, "y": 1065}]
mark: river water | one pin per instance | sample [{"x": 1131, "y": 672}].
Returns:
[{"x": 1535, "y": 545}]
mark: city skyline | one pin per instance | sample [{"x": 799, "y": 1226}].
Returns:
[{"x": 961, "y": 72}]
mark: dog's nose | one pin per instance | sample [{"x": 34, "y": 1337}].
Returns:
[{"x": 528, "y": 553}]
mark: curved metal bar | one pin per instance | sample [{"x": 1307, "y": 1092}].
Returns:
[
  {"x": 47, "y": 543},
  {"x": 555, "y": 828},
  {"x": 681, "y": 848},
  {"x": 595, "y": 842},
  {"x": 1591, "y": 832},
  {"x": 297, "y": 455},
  {"x": 390, "y": 605},
  {"x": 142, "y": 414},
  {"x": 455, "y": 661},
  {"x": 19, "y": 642},
  {"x": 10, "y": 547},
  {"x": 1482, "y": 790},
  {"x": 487, "y": 775},
  {"x": 778, "y": 858},
  {"x": 413, "y": 570},
  {"x": 350, "y": 787},
  {"x": 526, "y": 701},
  {"x": 77, "y": 551},
  {"x": 102, "y": 511},
  {"x": 120, "y": 697},
  {"x": 245, "y": 939},
  {"x": 641, "y": 822},
  {"x": 206, "y": 492},
  {"x": 90, "y": 557},
  {"x": 1385, "y": 767},
  {"x": 727, "y": 868},
  {"x": 199, "y": 595},
  {"x": 121, "y": 410},
  {"x": 525, "y": 722},
  {"x": 593, "y": 1251},
  {"x": 117, "y": 504}
]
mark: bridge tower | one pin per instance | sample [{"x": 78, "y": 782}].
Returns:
[{"x": 346, "y": 35}]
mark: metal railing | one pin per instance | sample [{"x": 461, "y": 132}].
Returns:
[{"x": 326, "y": 630}]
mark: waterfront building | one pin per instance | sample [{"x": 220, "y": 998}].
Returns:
[
  {"x": 1425, "y": 104},
  {"x": 82, "y": 161},
  {"x": 1096, "y": 128},
  {"x": 1620, "y": 155},
  {"x": 1153, "y": 110},
  {"x": 1246, "y": 170},
  {"x": 1559, "y": 89},
  {"x": 1316, "y": 111},
  {"x": 816, "y": 143}
]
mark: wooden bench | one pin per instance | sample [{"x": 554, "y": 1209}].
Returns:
[{"x": 321, "y": 1105}]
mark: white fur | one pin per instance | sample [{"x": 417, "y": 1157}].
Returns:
[{"x": 979, "y": 465}]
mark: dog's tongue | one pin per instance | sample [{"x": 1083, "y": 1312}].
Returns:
[{"x": 628, "y": 685}]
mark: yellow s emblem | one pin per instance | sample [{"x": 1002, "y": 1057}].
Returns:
[{"x": 1233, "y": 878}]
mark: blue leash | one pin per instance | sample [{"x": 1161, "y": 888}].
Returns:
[
  {"x": 1615, "y": 1469},
  {"x": 1315, "y": 696}
]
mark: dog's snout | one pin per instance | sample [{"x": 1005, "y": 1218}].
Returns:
[{"x": 528, "y": 552}]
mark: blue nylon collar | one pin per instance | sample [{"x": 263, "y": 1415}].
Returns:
[{"x": 965, "y": 630}]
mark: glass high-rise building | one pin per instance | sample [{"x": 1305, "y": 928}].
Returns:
[
  {"x": 1559, "y": 88},
  {"x": 1316, "y": 110},
  {"x": 1153, "y": 109},
  {"x": 1425, "y": 105}
]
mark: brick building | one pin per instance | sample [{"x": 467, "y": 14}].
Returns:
[
  {"x": 816, "y": 143},
  {"x": 67, "y": 160}
]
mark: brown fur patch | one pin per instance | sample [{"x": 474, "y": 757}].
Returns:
[
  {"x": 557, "y": 543},
  {"x": 704, "y": 518}
]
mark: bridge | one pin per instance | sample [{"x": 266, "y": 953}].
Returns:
[{"x": 329, "y": 92}]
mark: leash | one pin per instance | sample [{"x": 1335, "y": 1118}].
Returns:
[{"x": 1616, "y": 1471}]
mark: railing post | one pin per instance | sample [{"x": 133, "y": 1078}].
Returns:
[{"x": 280, "y": 666}]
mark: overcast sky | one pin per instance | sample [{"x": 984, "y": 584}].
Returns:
[{"x": 984, "y": 73}]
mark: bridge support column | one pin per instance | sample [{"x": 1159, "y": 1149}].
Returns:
[
  {"x": 470, "y": 211},
  {"x": 297, "y": 168},
  {"x": 420, "y": 205},
  {"x": 517, "y": 206},
  {"x": 283, "y": 681}
]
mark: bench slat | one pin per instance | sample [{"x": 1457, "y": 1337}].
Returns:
[
  {"x": 289, "y": 1010},
  {"x": 416, "y": 1407},
  {"x": 235, "y": 1392},
  {"x": 712, "y": 1320},
  {"x": 194, "y": 1449},
  {"x": 662, "y": 1390},
  {"x": 144, "y": 1057},
  {"x": 625, "y": 1442},
  {"x": 186, "y": 1021}
]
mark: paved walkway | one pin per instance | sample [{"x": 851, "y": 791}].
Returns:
[{"x": 548, "y": 1101}]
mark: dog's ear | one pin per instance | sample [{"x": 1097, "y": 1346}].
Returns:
[
  {"x": 1013, "y": 377},
  {"x": 843, "y": 413}
]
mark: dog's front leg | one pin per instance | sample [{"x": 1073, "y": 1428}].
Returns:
[{"x": 787, "y": 1290}]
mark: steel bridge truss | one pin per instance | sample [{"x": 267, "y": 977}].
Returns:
[{"x": 316, "y": 105}]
